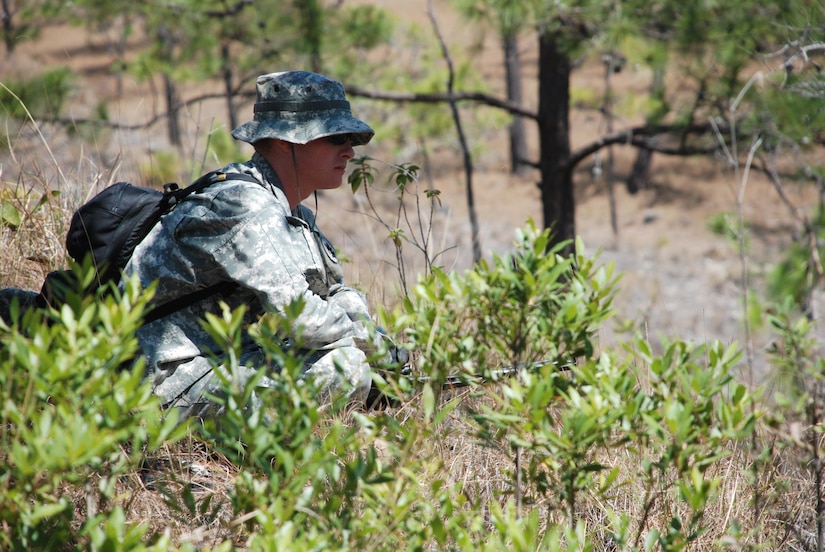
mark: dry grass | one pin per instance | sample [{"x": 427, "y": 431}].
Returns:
[
  {"x": 35, "y": 247},
  {"x": 782, "y": 521},
  {"x": 151, "y": 495},
  {"x": 783, "y": 487}
]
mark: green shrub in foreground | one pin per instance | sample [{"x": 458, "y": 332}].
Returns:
[
  {"x": 564, "y": 420},
  {"x": 71, "y": 418},
  {"x": 311, "y": 478}
]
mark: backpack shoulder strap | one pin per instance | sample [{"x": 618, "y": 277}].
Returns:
[
  {"x": 176, "y": 194},
  {"x": 189, "y": 299}
]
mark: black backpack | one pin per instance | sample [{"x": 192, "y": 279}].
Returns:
[{"x": 109, "y": 226}]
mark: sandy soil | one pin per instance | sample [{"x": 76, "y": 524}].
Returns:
[{"x": 680, "y": 280}]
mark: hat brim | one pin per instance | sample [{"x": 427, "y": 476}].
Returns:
[{"x": 298, "y": 128}]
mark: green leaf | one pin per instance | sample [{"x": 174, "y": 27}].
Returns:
[
  {"x": 10, "y": 215},
  {"x": 47, "y": 511},
  {"x": 428, "y": 400},
  {"x": 446, "y": 410}
]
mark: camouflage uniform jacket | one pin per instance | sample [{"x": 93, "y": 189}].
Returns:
[{"x": 241, "y": 232}]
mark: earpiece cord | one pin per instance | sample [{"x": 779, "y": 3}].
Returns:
[{"x": 295, "y": 172}]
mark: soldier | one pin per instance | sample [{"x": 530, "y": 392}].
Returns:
[{"x": 258, "y": 235}]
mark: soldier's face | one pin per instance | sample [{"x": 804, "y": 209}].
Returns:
[{"x": 322, "y": 164}]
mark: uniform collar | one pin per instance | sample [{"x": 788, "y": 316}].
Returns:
[
  {"x": 262, "y": 165},
  {"x": 266, "y": 170}
]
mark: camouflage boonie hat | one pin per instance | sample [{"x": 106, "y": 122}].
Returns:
[{"x": 298, "y": 107}]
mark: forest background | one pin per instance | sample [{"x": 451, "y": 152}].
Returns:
[{"x": 682, "y": 141}]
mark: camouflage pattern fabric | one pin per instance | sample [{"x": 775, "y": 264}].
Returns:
[{"x": 245, "y": 233}]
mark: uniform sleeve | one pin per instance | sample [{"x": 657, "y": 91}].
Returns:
[{"x": 245, "y": 232}]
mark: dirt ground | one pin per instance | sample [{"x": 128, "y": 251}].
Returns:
[{"x": 679, "y": 279}]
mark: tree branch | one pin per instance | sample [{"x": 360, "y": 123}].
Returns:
[
  {"x": 443, "y": 97},
  {"x": 231, "y": 10},
  {"x": 651, "y": 138},
  {"x": 645, "y": 137},
  {"x": 815, "y": 267},
  {"x": 75, "y": 121},
  {"x": 468, "y": 162},
  {"x": 656, "y": 138}
]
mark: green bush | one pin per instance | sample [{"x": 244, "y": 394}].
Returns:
[
  {"x": 608, "y": 450},
  {"x": 43, "y": 96},
  {"x": 795, "y": 276},
  {"x": 72, "y": 419},
  {"x": 570, "y": 408}
]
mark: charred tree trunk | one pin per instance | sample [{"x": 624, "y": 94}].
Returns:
[
  {"x": 170, "y": 91},
  {"x": 312, "y": 30},
  {"x": 120, "y": 49},
  {"x": 640, "y": 172},
  {"x": 608, "y": 117},
  {"x": 518, "y": 139},
  {"x": 228, "y": 84},
  {"x": 8, "y": 27},
  {"x": 554, "y": 135},
  {"x": 172, "y": 109}
]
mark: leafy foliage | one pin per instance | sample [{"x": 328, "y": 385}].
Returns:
[
  {"x": 71, "y": 415},
  {"x": 42, "y": 96},
  {"x": 74, "y": 422},
  {"x": 307, "y": 477},
  {"x": 676, "y": 411},
  {"x": 794, "y": 276},
  {"x": 523, "y": 308}
]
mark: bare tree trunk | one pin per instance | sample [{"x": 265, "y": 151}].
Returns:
[
  {"x": 312, "y": 28},
  {"x": 518, "y": 139},
  {"x": 170, "y": 91},
  {"x": 612, "y": 64},
  {"x": 172, "y": 109},
  {"x": 228, "y": 84},
  {"x": 640, "y": 172},
  {"x": 554, "y": 135},
  {"x": 8, "y": 28},
  {"x": 121, "y": 55},
  {"x": 468, "y": 160}
]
